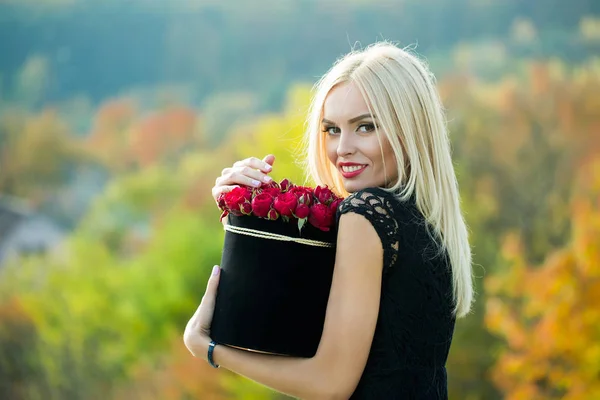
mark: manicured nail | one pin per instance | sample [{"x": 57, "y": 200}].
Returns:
[
  {"x": 215, "y": 270},
  {"x": 267, "y": 179},
  {"x": 268, "y": 167},
  {"x": 255, "y": 182}
]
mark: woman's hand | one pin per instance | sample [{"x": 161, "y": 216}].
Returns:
[
  {"x": 197, "y": 331},
  {"x": 249, "y": 172}
]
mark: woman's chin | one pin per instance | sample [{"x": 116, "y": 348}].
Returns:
[{"x": 352, "y": 186}]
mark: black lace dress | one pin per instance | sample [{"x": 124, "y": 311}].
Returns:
[{"x": 415, "y": 323}]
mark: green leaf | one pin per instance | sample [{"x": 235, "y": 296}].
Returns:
[{"x": 301, "y": 223}]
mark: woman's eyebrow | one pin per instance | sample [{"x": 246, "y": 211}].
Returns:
[{"x": 350, "y": 121}]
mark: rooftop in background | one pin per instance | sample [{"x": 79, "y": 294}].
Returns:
[
  {"x": 12, "y": 211},
  {"x": 24, "y": 231}
]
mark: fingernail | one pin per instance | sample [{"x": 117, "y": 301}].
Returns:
[
  {"x": 255, "y": 182},
  {"x": 267, "y": 179},
  {"x": 215, "y": 270},
  {"x": 268, "y": 167}
]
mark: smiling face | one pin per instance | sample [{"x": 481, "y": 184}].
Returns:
[{"x": 351, "y": 141}]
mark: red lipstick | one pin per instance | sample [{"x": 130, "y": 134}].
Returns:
[{"x": 352, "y": 174}]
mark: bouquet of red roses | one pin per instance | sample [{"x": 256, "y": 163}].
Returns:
[
  {"x": 285, "y": 200},
  {"x": 276, "y": 267}
]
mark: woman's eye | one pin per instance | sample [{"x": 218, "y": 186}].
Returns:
[
  {"x": 331, "y": 130},
  {"x": 366, "y": 127}
]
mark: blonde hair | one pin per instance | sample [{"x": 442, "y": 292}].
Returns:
[{"x": 400, "y": 91}]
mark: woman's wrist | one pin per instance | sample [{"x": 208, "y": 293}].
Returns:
[
  {"x": 200, "y": 348},
  {"x": 209, "y": 354}
]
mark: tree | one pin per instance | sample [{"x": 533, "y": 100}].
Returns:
[
  {"x": 88, "y": 319},
  {"x": 517, "y": 145},
  {"x": 549, "y": 314},
  {"x": 36, "y": 154},
  {"x": 18, "y": 364}
]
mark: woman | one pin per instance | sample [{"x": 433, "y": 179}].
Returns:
[{"x": 376, "y": 132}]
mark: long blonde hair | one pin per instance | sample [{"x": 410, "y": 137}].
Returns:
[{"x": 400, "y": 90}]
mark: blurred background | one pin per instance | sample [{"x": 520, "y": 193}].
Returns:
[{"x": 117, "y": 116}]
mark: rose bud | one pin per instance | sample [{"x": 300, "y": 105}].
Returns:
[
  {"x": 261, "y": 204},
  {"x": 324, "y": 195},
  {"x": 246, "y": 208},
  {"x": 286, "y": 203},
  {"x": 285, "y": 185},
  {"x": 272, "y": 214},
  {"x": 302, "y": 211},
  {"x": 304, "y": 195},
  {"x": 270, "y": 185}
]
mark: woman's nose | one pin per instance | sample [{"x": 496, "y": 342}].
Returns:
[{"x": 346, "y": 144}]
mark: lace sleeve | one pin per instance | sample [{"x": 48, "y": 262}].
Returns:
[{"x": 375, "y": 205}]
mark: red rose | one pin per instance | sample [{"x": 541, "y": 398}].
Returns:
[
  {"x": 271, "y": 185},
  {"x": 320, "y": 217},
  {"x": 273, "y": 191},
  {"x": 285, "y": 185},
  {"x": 286, "y": 203},
  {"x": 272, "y": 215},
  {"x": 334, "y": 205},
  {"x": 304, "y": 194},
  {"x": 324, "y": 195},
  {"x": 236, "y": 197},
  {"x": 302, "y": 211},
  {"x": 221, "y": 201},
  {"x": 293, "y": 203},
  {"x": 261, "y": 204}
]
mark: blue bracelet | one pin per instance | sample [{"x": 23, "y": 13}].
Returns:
[{"x": 211, "y": 348}]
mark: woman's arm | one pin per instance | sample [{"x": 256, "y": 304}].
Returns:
[{"x": 352, "y": 311}]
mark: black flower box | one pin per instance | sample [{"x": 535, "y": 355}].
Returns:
[{"x": 273, "y": 293}]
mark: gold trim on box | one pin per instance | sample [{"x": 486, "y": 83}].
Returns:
[{"x": 274, "y": 236}]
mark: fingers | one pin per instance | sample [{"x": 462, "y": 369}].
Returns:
[
  {"x": 255, "y": 163},
  {"x": 269, "y": 159},
  {"x": 213, "y": 283},
  {"x": 218, "y": 190},
  {"x": 242, "y": 175},
  {"x": 207, "y": 305},
  {"x": 249, "y": 172},
  {"x": 199, "y": 324}
]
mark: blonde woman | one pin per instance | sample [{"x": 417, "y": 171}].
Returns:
[{"x": 376, "y": 132}]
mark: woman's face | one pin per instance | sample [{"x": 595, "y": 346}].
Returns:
[{"x": 351, "y": 142}]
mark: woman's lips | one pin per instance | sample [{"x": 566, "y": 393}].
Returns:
[{"x": 352, "y": 174}]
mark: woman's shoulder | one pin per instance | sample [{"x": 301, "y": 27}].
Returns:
[
  {"x": 378, "y": 201},
  {"x": 387, "y": 212}
]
